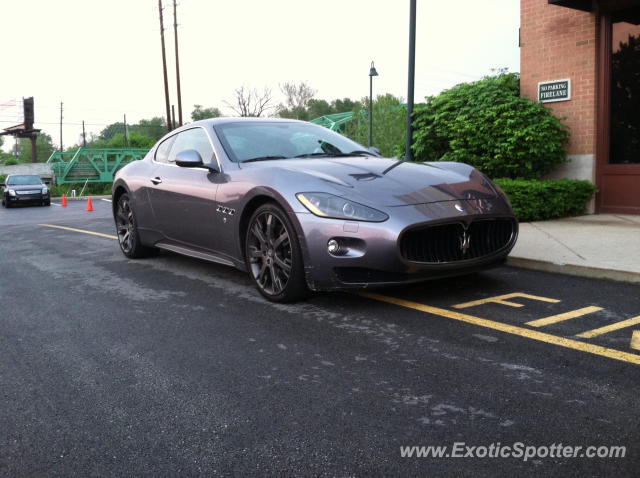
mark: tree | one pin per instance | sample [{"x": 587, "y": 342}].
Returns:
[
  {"x": 343, "y": 105},
  {"x": 250, "y": 102},
  {"x": 44, "y": 145},
  {"x": 297, "y": 98},
  {"x": 154, "y": 128},
  {"x": 389, "y": 124},
  {"x": 200, "y": 113},
  {"x": 489, "y": 125},
  {"x": 316, "y": 108}
]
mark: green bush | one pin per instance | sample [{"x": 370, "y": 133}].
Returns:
[
  {"x": 92, "y": 189},
  {"x": 11, "y": 162},
  {"x": 534, "y": 200},
  {"x": 488, "y": 125}
]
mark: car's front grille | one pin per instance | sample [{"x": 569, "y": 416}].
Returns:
[
  {"x": 31, "y": 191},
  {"x": 452, "y": 242}
]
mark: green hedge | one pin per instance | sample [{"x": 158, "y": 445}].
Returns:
[{"x": 535, "y": 200}]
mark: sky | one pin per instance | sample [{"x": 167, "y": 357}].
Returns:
[{"x": 102, "y": 59}]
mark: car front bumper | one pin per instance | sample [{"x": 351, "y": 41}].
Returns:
[
  {"x": 371, "y": 253},
  {"x": 27, "y": 198}
]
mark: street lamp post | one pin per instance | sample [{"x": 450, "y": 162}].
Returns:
[
  {"x": 408, "y": 155},
  {"x": 372, "y": 73}
]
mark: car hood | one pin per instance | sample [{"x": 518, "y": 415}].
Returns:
[{"x": 391, "y": 182}]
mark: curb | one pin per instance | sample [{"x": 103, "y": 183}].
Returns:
[
  {"x": 575, "y": 270},
  {"x": 82, "y": 198}
]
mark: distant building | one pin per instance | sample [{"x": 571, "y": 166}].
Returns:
[{"x": 582, "y": 58}]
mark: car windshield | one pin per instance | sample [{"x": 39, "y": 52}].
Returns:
[
  {"x": 262, "y": 140},
  {"x": 23, "y": 180}
]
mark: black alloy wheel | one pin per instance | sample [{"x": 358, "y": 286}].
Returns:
[
  {"x": 128, "y": 237},
  {"x": 273, "y": 255}
]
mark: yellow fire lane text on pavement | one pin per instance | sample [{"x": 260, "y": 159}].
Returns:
[
  {"x": 511, "y": 329},
  {"x": 565, "y": 316},
  {"x": 502, "y": 299},
  {"x": 610, "y": 328}
]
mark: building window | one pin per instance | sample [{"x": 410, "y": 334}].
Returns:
[{"x": 625, "y": 94}]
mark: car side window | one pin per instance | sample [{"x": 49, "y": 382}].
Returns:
[
  {"x": 163, "y": 150},
  {"x": 195, "y": 138}
]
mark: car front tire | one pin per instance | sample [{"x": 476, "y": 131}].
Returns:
[
  {"x": 273, "y": 255},
  {"x": 127, "y": 229}
]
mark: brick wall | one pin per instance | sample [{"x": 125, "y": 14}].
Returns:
[{"x": 556, "y": 43}]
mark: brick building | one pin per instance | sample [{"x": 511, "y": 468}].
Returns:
[{"x": 582, "y": 58}]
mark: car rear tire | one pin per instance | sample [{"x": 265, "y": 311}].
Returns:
[
  {"x": 127, "y": 229},
  {"x": 273, "y": 255}
]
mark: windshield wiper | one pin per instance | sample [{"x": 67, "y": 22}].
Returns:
[
  {"x": 335, "y": 155},
  {"x": 263, "y": 158}
]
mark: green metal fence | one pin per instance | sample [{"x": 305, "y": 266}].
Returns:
[
  {"x": 93, "y": 165},
  {"x": 335, "y": 121}
]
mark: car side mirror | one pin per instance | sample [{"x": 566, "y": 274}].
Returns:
[
  {"x": 2, "y": 185},
  {"x": 190, "y": 158}
]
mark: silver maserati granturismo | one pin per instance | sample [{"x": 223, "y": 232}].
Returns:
[{"x": 300, "y": 208}]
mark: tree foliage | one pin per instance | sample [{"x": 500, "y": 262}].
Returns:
[
  {"x": 488, "y": 125},
  {"x": 297, "y": 98},
  {"x": 44, "y": 145},
  {"x": 316, "y": 108},
  {"x": 200, "y": 113},
  {"x": 135, "y": 140},
  {"x": 154, "y": 128},
  {"x": 389, "y": 124}
]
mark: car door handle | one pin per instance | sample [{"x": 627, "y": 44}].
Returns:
[{"x": 156, "y": 180}]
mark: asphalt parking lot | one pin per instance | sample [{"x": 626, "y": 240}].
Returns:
[{"x": 172, "y": 366}]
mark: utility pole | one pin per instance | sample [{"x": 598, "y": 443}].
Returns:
[
  {"x": 173, "y": 113},
  {"x": 61, "y": 149},
  {"x": 164, "y": 69},
  {"x": 126, "y": 132},
  {"x": 175, "y": 36},
  {"x": 84, "y": 136},
  {"x": 412, "y": 73}
]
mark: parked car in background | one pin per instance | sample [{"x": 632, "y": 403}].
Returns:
[
  {"x": 25, "y": 189},
  {"x": 300, "y": 207}
]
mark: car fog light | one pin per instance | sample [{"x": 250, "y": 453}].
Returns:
[{"x": 333, "y": 246}]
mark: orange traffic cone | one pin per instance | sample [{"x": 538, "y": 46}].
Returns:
[
  {"x": 89, "y": 204},
  {"x": 64, "y": 200}
]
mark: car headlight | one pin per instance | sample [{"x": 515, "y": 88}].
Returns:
[
  {"x": 12, "y": 192},
  {"x": 328, "y": 205},
  {"x": 45, "y": 190}
]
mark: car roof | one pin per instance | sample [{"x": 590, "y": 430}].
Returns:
[{"x": 236, "y": 119}]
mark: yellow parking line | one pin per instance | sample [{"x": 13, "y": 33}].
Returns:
[
  {"x": 635, "y": 340},
  {"x": 553, "y": 319},
  {"x": 500, "y": 299},
  {"x": 99, "y": 234},
  {"x": 610, "y": 328},
  {"x": 510, "y": 329}
]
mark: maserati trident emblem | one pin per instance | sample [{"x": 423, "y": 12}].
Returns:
[
  {"x": 459, "y": 207},
  {"x": 465, "y": 242}
]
